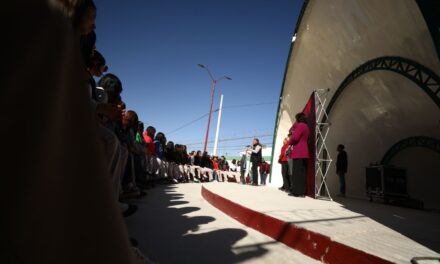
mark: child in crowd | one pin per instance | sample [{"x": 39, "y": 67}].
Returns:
[{"x": 264, "y": 171}]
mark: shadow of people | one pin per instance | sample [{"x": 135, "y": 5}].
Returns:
[{"x": 165, "y": 233}]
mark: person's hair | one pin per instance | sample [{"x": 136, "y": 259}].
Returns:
[
  {"x": 301, "y": 118},
  {"x": 112, "y": 85},
  {"x": 140, "y": 126},
  {"x": 340, "y": 146},
  {"x": 98, "y": 60},
  {"x": 234, "y": 161},
  {"x": 199, "y": 152},
  {"x": 87, "y": 43},
  {"x": 75, "y": 10},
  {"x": 80, "y": 11},
  {"x": 258, "y": 141},
  {"x": 133, "y": 118},
  {"x": 160, "y": 137},
  {"x": 152, "y": 129}
]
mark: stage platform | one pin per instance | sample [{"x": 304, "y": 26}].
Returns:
[{"x": 342, "y": 231}]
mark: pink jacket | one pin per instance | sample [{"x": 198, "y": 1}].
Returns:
[{"x": 299, "y": 141}]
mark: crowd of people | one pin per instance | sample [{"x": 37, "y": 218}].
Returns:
[
  {"x": 136, "y": 158},
  {"x": 88, "y": 155}
]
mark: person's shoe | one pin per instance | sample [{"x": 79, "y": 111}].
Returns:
[{"x": 132, "y": 208}]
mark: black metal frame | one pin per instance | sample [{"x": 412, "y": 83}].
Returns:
[
  {"x": 421, "y": 75},
  {"x": 425, "y": 142}
]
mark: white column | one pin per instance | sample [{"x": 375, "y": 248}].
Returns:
[{"x": 218, "y": 126}]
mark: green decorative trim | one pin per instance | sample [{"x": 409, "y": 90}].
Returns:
[
  {"x": 298, "y": 24},
  {"x": 425, "y": 142},
  {"x": 421, "y": 75}
]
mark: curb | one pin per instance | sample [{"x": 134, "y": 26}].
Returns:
[{"x": 314, "y": 245}]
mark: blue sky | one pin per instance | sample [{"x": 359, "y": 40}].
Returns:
[{"x": 154, "y": 47}]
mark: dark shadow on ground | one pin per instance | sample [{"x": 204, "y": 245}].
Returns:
[
  {"x": 420, "y": 226},
  {"x": 162, "y": 232}
]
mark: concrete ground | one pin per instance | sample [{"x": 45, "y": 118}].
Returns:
[
  {"x": 174, "y": 224},
  {"x": 393, "y": 233}
]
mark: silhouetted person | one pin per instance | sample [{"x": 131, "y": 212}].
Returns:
[
  {"x": 58, "y": 205},
  {"x": 341, "y": 168}
]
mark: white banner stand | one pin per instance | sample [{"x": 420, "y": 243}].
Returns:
[{"x": 323, "y": 159}]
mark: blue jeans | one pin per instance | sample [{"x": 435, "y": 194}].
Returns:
[
  {"x": 263, "y": 177},
  {"x": 341, "y": 182}
]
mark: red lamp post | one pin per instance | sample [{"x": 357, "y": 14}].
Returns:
[{"x": 214, "y": 84}]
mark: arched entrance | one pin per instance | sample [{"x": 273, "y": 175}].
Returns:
[{"x": 421, "y": 75}]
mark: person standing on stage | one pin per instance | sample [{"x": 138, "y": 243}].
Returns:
[
  {"x": 256, "y": 157},
  {"x": 298, "y": 156},
  {"x": 284, "y": 166},
  {"x": 341, "y": 168}
]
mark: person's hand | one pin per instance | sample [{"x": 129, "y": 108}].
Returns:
[{"x": 110, "y": 111}]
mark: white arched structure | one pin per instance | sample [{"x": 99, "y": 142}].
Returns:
[{"x": 380, "y": 62}]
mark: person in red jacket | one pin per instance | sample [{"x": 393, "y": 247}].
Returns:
[
  {"x": 264, "y": 171},
  {"x": 298, "y": 156},
  {"x": 216, "y": 168},
  {"x": 284, "y": 166}
]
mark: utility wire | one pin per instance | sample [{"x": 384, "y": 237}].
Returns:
[
  {"x": 231, "y": 139},
  {"x": 216, "y": 110},
  {"x": 190, "y": 123},
  {"x": 248, "y": 105}
]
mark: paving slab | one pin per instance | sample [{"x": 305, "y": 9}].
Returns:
[
  {"x": 392, "y": 233},
  {"x": 174, "y": 224}
]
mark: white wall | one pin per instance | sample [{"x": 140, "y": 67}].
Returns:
[{"x": 379, "y": 108}]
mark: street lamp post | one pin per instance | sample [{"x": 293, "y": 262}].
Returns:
[{"x": 214, "y": 84}]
